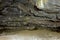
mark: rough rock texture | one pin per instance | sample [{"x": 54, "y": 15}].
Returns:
[{"x": 24, "y": 14}]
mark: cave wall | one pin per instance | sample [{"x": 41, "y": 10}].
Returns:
[{"x": 25, "y": 14}]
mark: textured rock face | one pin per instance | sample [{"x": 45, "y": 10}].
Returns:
[{"x": 24, "y": 14}]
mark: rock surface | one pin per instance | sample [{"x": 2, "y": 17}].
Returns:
[{"x": 24, "y": 14}]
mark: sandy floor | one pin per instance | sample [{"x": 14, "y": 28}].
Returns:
[{"x": 32, "y": 35}]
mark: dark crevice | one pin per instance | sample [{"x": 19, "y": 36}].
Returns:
[{"x": 37, "y": 9}]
